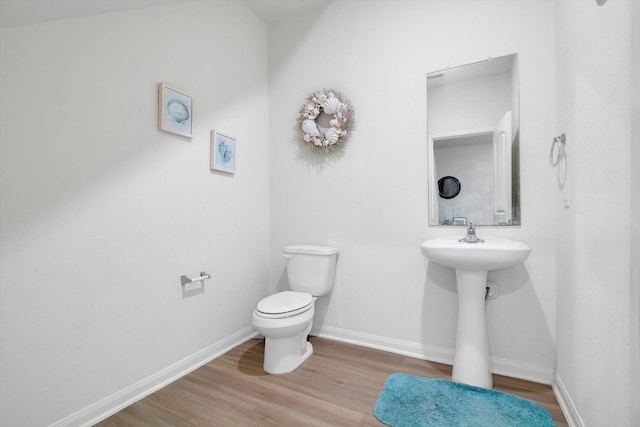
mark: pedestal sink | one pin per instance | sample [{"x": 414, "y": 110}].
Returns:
[{"x": 472, "y": 262}]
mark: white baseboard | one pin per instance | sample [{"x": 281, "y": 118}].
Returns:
[
  {"x": 522, "y": 370},
  {"x": 120, "y": 400},
  {"x": 501, "y": 366},
  {"x": 405, "y": 348},
  {"x": 566, "y": 404}
]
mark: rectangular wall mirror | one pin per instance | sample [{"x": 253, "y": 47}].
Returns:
[{"x": 474, "y": 143}]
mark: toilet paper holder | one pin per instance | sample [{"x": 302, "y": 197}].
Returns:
[{"x": 203, "y": 276}]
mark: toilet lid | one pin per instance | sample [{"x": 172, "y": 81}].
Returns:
[{"x": 285, "y": 302}]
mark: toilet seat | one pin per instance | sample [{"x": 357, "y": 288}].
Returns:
[{"x": 284, "y": 304}]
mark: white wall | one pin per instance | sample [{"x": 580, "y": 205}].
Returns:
[
  {"x": 595, "y": 341},
  {"x": 101, "y": 213},
  {"x": 634, "y": 338},
  {"x": 371, "y": 201}
]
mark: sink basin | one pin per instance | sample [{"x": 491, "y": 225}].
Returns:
[
  {"x": 472, "y": 262},
  {"x": 492, "y": 254}
]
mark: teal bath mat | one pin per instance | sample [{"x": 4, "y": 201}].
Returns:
[{"x": 411, "y": 401}]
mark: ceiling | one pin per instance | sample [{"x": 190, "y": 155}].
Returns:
[
  {"x": 274, "y": 10},
  {"x": 23, "y": 12}
]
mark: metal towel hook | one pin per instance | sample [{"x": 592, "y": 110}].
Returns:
[{"x": 557, "y": 149}]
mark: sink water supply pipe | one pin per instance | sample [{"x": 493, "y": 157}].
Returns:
[{"x": 492, "y": 291}]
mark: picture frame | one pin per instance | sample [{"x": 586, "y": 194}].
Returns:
[
  {"x": 223, "y": 152},
  {"x": 175, "y": 111}
]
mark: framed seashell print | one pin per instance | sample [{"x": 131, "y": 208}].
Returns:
[
  {"x": 175, "y": 111},
  {"x": 223, "y": 152}
]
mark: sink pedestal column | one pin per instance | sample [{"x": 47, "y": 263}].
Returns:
[{"x": 471, "y": 359}]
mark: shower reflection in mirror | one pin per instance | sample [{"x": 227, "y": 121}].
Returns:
[{"x": 473, "y": 123}]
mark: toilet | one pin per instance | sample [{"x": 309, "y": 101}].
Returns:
[{"x": 285, "y": 318}]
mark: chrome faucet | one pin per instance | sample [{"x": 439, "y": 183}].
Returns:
[{"x": 471, "y": 234}]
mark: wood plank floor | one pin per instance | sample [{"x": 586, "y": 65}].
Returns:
[{"x": 337, "y": 386}]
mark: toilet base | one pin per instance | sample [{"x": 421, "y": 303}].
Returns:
[
  {"x": 285, "y": 343},
  {"x": 280, "y": 359}
]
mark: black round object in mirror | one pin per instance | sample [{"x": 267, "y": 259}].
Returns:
[{"x": 449, "y": 187}]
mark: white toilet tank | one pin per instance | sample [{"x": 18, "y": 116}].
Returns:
[{"x": 311, "y": 268}]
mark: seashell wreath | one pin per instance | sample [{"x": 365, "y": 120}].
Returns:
[{"x": 333, "y": 103}]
